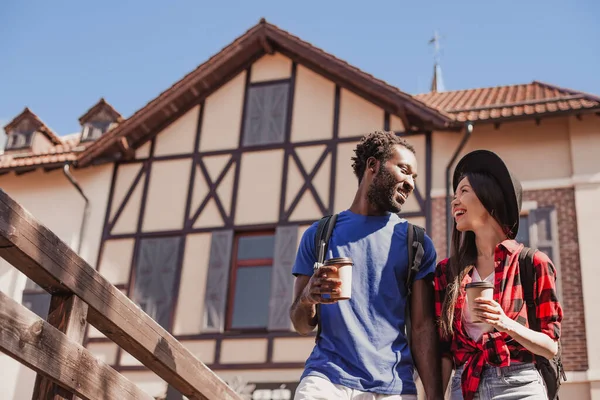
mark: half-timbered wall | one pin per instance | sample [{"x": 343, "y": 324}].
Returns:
[{"x": 266, "y": 154}]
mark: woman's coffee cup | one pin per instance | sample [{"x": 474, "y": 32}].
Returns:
[{"x": 475, "y": 290}]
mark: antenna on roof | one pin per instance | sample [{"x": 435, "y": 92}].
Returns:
[{"x": 437, "y": 84}]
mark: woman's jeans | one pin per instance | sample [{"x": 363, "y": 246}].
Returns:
[{"x": 518, "y": 381}]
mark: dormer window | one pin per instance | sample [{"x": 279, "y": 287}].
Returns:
[
  {"x": 93, "y": 130},
  {"x": 19, "y": 140},
  {"x": 98, "y": 120},
  {"x": 26, "y": 133}
]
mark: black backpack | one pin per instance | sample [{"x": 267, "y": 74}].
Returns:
[
  {"x": 416, "y": 250},
  {"x": 551, "y": 370}
]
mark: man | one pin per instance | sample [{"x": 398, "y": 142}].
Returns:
[{"x": 362, "y": 351}]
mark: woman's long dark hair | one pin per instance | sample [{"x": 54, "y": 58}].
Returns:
[{"x": 463, "y": 253}]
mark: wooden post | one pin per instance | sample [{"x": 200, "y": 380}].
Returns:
[
  {"x": 37, "y": 252},
  {"x": 35, "y": 343},
  {"x": 68, "y": 314}
]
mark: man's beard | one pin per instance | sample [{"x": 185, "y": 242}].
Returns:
[{"x": 382, "y": 193}]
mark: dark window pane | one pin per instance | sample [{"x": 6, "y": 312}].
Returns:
[
  {"x": 255, "y": 247},
  {"x": 523, "y": 234},
  {"x": 266, "y": 114},
  {"x": 155, "y": 277},
  {"x": 93, "y": 130},
  {"x": 19, "y": 140},
  {"x": 39, "y": 303},
  {"x": 252, "y": 292}
]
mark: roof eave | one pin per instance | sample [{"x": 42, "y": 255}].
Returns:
[
  {"x": 523, "y": 117},
  {"x": 262, "y": 39}
]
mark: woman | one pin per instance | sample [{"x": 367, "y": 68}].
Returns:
[{"x": 493, "y": 358}]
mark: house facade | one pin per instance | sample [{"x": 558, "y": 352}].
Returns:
[{"x": 194, "y": 206}]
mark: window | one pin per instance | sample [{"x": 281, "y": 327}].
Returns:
[
  {"x": 538, "y": 228},
  {"x": 36, "y": 299},
  {"x": 266, "y": 114},
  {"x": 19, "y": 140},
  {"x": 93, "y": 130},
  {"x": 248, "y": 285},
  {"x": 154, "y": 277},
  {"x": 523, "y": 234},
  {"x": 250, "y": 281}
]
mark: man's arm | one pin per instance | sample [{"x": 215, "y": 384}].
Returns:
[
  {"x": 425, "y": 341},
  {"x": 302, "y": 313},
  {"x": 447, "y": 367},
  {"x": 308, "y": 291}
]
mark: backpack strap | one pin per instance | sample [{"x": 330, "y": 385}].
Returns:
[
  {"x": 322, "y": 236},
  {"x": 416, "y": 250},
  {"x": 527, "y": 271},
  {"x": 415, "y": 243}
]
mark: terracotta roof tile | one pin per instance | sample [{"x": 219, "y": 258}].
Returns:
[
  {"x": 501, "y": 102},
  {"x": 66, "y": 152}
]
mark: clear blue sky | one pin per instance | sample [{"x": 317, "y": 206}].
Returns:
[{"x": 60, "y": 57}]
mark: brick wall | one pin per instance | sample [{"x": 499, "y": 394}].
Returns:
[{"x": 573, "y": 325}]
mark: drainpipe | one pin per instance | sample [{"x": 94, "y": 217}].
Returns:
[
  {"x": 67, "y": 171},
  {"x": 463, "y": 142}
]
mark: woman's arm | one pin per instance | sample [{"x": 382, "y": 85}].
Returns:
[
  {"x": 548, "y": 312},
  {"x": 538, "y": 343}
]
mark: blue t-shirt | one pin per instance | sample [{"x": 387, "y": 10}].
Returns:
[{"x": 362, "y": 344}]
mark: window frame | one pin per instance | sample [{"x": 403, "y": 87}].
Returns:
[
  {"x": 526, "y": 210},
  {"x": 90, "y": 127},
  {"x": 235, "y": 265},
  {"x": 14, "y": 137},
  {"x": 287, "y": 116},
  {"x": 131, "y": 285}
]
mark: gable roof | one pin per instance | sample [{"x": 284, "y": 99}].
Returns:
[
  {"x": 27, "y": 114},
  {"x": 263, "y": 38},
  {"x": 101, "y": 105},
  {"x": 530, "y": 100}
]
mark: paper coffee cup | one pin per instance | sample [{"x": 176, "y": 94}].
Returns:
[
  {"x": 344, "y": 273},
  {"x": 475, "y": 290}
]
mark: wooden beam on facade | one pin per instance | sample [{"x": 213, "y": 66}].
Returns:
[
  {"x": 126, "y": 150},
  {"x": 404, "y": 119},
  {"x": 44, "y": 258},
  {"x": 33, "y": 342},
  {"x": 264, "y": 42},
  {"x": 68, "y": 314}
]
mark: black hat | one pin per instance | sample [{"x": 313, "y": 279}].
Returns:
[{"x": 487, "y": 162}]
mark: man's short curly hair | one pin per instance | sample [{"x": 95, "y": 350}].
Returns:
[{"x": 378, "y": 144}]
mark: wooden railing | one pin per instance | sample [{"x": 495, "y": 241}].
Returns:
[{"x": 53, "y": 348}]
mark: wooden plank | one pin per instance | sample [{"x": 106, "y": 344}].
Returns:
[
  {"x": 33, "y": 342},
  {"x": 68, "y": 314},
  {"x": 44, "y": 258}
]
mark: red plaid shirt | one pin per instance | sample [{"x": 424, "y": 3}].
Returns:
[{"x": 495, "y": 348}]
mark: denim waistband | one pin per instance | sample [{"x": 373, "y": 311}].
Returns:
[{"x": 490, "y": 370}]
